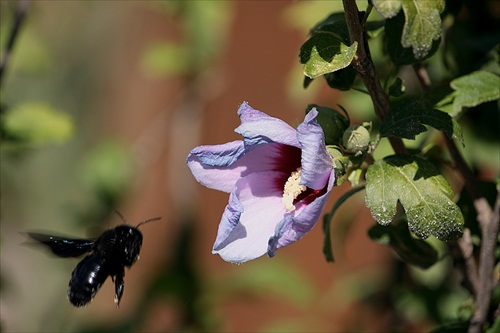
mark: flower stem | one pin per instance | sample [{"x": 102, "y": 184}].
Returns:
[
  {"x": 363, "y": 65},
  {"x": 20, "y": 15}
]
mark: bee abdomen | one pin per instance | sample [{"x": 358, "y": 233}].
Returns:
[{"x": 86, "y": 279}]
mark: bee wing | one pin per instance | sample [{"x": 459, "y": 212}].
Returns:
[{"x": 64, "y": 247}]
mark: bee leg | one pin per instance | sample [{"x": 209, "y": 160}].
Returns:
[{"x": 119, "y": 285}]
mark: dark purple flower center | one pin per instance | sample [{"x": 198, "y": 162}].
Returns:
[{"x": 288, "y": 160}]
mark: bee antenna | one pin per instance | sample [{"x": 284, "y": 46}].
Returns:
[
  {"x": 148, "y": 220},
  {"x": 121, "y": 216}
]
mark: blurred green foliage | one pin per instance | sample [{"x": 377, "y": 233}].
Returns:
[
  {"x": 34, "y": 124},
  {"x": 49, "y": 96}
]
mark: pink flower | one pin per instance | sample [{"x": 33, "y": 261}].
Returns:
[{"x": 278, "y": 178}]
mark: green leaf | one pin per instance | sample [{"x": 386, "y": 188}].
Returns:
[
  {"x": 327, "y": 219},
  {"x": 35, "y": 124},
  {"x": 343, "y": 79},
  {"x": 323, "y": 53},
  {"x": 400, "y": 52},
  {"x": 332, "y": 121},
  {"x": 474, "y": 89},
  {"x": 411, "y": 250},
  {"x": 424, "y": 194},
  {"x": 387, "y": 8},
  {"x": 335, "y": 24},
  {"x": 423, "y": 25},
  {"x": 374, "y": 28},
  {"x": 407, "y": 119}
]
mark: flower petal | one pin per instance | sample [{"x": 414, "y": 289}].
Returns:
[
  {"x": 251, "y": 216},
  {"x": 258, "y": 128},
  {"x": 221, "y": 166},
  {"x": 292, "y": 228},
  {"x": 210, "y": 165},
  {"x": 316, "y": 161}
]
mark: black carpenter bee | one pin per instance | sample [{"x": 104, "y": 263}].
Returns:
[{"x": 109, "y": 254}]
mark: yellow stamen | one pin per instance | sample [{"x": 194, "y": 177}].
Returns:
[{"x": 292, "y": 190}]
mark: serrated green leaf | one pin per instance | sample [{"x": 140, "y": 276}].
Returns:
[
  {"x": 400, "y": 54},
  {"x": 424, "y": 194},
  {"x": 387, "y": 8},
  {"x": 36, "y": 123},
  {"x": 407, "y": 119},
  {"x": 474, "y": 89},
  {"x": 423, "y": 25},
  {"x": 324, "y": 53}
]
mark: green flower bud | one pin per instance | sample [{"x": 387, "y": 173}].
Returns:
[
  {"x": 356, "y": 139},
  {"x": 338, "y": 158},
  {"x": 333, "y": 123}
]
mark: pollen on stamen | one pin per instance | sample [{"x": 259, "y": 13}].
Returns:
[{"x": 292, "y": 190}]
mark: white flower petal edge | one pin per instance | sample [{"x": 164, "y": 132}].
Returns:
[{"x": 250, "y": 218}]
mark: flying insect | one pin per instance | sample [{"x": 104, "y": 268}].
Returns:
[{"x": 109, "y": 254}]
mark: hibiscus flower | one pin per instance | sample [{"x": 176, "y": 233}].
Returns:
[{"x": 278, "y": 178}]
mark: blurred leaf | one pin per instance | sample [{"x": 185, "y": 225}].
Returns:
[
  {"x": 374, "y": 28},
  {"x": 495, "y": 327},
  {"x": 493, "y": 66},
  {"x": 32, "y": 55},
  {"x": 425, "y": 195},
  {"x": 35, "y": 124},
  {"x": 165, "y": 58},
  {"x": 397, "y": 89},
  {"x": 474, "y": 89},
  {"x": 108, "y": 171},
  {"x": 323, "y": 53},
  {"x": 266, "y": 277},
  {"x": 407, "y": 119},
  {"x": 205, "y": 27},
  {"x": 452, "y": 327},
  {"x": 412, "y": 250}
]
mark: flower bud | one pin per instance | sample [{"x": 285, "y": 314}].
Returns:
[
  {"x": 356, "y": 139},
  {"x": 339, "y": 161}
]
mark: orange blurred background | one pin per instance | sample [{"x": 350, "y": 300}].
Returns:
[{"x": 95, "y": 65}]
